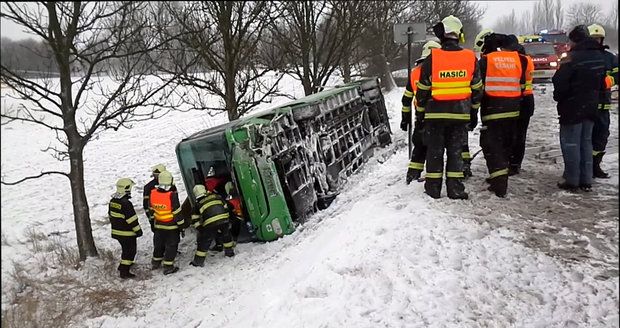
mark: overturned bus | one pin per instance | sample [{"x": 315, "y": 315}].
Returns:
[{"x": 292, "y": 160}]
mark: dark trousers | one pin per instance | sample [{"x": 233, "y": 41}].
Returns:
[
  {"x": 235, "y": 228},
  {"x": 128, "y": 251},
  {"x": 166, "y": 244},
  {"x": 418, "y": 154},
  {"x": 219, "y": 231},
  {"x": 496, "y": 140},
  {"x": 518, "y": 143},
  {"x": 600, "y": 131},
  {"x": 440, "y": 136}
]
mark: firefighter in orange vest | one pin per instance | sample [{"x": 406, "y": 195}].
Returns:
[
  {"x": 125, "y": 226},
  {"x": 155, "y": 170},
  {"x": 164, "y": 202},
  {"x": 418, "y": 154},
  {"x": 448, "y": 92},
  {"x": 526, "y": 108},
  {"x": 504, "y": 77},
  {"x": 211, "y": 219}
]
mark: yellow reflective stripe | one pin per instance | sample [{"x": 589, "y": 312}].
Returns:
[
  {"x": 430, "y": 175},
  {"x": 168, "y": 262},
  {"x": 475, "y": 106},
  {"x": 614, "y": 70},
  {"x": 196, "y": 224},
  {"x": 201, "y": 253},
  {"x": 454, "y": 174},
  {"x": 406, "y": 109},
  {"x": 408, "y": 94},
  {"x": 498, "y": 173},
  {"x": 500, "y": 116},
  {"x": 458, "y": 84},
  {"x": 604, "y": 106},
  {"x": 147, "y": 197},
  {"x": 157, "y": 258},
  {"x": 131, "y": 219},
  {"x": 450, "y": 91},
  {"x": 136, "y": 228},
  {"x": 423, "y": 86},
  {"x": 166, "y": 227},
  {"x": 123, "y": 233},
  {"x": 126, "y": 262},
  {"x": 416, "y": 165},
  {"x": 419, "y": 109},
  {"x": 209, "y": 204},
  {"x": 451, "y": 116},
  {"x": 477, "y": 86},
  {"x": 215, "y": 218},
  {"x": 177, "y": 211},
  {"x": 181, "y": 222},
  {"x": 117, "y": 215},
  {"x": 229, "y": 245},
  {"x": 465, "y": 155},
  {"x": 596, "y": 152}
]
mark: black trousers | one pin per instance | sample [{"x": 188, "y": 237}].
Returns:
[
  {"x": 600, "y": 131},
  {"x": 448, "y": 136},
  {"x": 128, "y": 250},
  {"x": 165, "y": 245},
  {"x": 496, "y": 140},
  {"x": 418, "y": 154},
  {"x": 517, "y": 151}
]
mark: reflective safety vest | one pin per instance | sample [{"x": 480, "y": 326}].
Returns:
[
  {"x": 452, "y": 72},
  {"x": 529, "y": 77},
  {"x": 161, "y": 202},
  {"x": 503, "y": 75},
  {"x": 414, "y": 77},
  {"x": 236, "y": 206}
]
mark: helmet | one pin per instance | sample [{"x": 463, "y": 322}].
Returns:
[
  {"x": 578, "y": 34},
  {"x": 452, "y": 24},
  {"x": 165, "y": 178},
  {"x": 479, "y": 41},
  {"x": 596, "y": 31},
  {"x": 199, "y": 190},
  {"x": 123, "y": 185},
  {"x": 211, "y": 172},
  {"x": 228, "y": 187},
  {"x": 158, "y": 168},
  {"x": 426, "y": 49}
]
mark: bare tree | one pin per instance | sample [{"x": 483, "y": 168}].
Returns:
[
  {"x": 559, "y": 15},
  {"x": 102, "y": 38},
  {"x": 584, "y": 13},
  {"x": 350, "y": 34},
  {"x": 507, "y": 24},
  {"x": 222, "y": 41}
]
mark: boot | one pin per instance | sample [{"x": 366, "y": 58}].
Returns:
[
  {"x": 124, "y": 272},
  {"x": 155, "y": 264},
  {"x": 467, "y": 169},
  {"x": 585, "y": 187},
  {"x": 565, "y": 186},
  {"x": 596, "y": 165},
  {"x": 499, "y": 186},
  {"x": 413, "y": 174},
  {"x": 198, "y": 261},
  {"x": 169, "y": 269},
  {"x": 217, "y": 248},
  {"x": 456, "y": 189},
  {"x": 433, "y": 188},
  {"x": 514, "y": 170},
  {"x": 229, "y": 252}
]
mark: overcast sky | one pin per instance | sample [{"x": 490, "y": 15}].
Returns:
[{"x": 495, "y": 9}]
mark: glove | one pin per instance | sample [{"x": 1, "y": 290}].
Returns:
[
  {"x": 405, "y": 121},
  {"x": 473, "y": 119},
  {"x": 139, "y": 233}
]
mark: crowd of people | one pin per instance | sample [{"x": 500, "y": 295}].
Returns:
[{"x": 450, "y": 86}]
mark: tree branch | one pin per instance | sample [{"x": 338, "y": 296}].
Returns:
[{"x": 33, "y": 177}]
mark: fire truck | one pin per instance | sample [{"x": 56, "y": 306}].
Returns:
[
  {"x": 559, "y": 39},
  {"x": 543, "y": 54}
]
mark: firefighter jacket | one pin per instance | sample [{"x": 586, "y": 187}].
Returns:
[
  {"x": 410, "y": 90},
  {"x": 527, "y": 102},
  {"x": 450, "y": 86},
  {"x": 234, "y": 204},
  {"x": 611, "y": 71},
  {"x": 123, "y": 218},
  {"x": 146, "y": 195},
  {"x": 578, "y": 82},
  {"x": 504, "y": 77},
  {"x": 166, "y": 208},
  {"x": 209, "y": 210}
]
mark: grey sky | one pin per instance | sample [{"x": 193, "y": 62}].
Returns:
[{"x": 495, "y": 9}]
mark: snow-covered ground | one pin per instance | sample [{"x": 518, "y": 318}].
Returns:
[{"x": 382, "y": 255}]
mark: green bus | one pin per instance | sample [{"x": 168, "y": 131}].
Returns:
[{"x": 287, "y": 162}]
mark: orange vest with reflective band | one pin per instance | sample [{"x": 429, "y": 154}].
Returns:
[
  {"x": 414, "y": 77},
  {"x": 452, "y": 74},
  {"x": 608, "y": 82},
  {"x": 161, "y": 202},
  {"x": 503, "y": 75},
  {"x": 529, "y": 77},
  {"x": 236, "y": 206}
]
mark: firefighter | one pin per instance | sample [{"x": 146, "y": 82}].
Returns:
[
  {"x": 125, "y": 226},
  {"x": 600, "y": 132},
  {"x": 416, "y": 165},
  {"x": 210, "y": 219},
  {"x": 164, "y": 202},
  {"x": 526, "y": 109},
  {"x": 236, "y": 213},
  {"x": 449, "y": 93},
  {"x": 503, "y": 75},
  {"x": 155, "y": 170}
]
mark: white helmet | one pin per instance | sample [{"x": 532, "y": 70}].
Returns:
[
  {"x": 596, "y": 31},
  {"x": 479, "y": 41},
  {"x": 123, "y": 185},
  {"x": 199, "y": 190},
  {"x": 452, "y": 24},
  {"x": 426, "y": 48}
]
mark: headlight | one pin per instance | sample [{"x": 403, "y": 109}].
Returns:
[
  {"x": 553, "y": 64},
  {"x": 563, "y": 55}
]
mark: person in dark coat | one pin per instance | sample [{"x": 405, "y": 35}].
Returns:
[{"x": 577, "y": 85}]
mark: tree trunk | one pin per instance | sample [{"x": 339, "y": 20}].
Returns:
[
  {"x": 231, "y": 98},
  {"x": 346, "y": 69},
  {"x": 387, "y": 81},
  {"x": 81, "y": 214}
]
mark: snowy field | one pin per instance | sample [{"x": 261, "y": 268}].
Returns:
[{"x": 383, "y": 255}]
